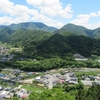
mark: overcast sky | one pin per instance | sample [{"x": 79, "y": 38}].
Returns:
[{"x": 51, "y": 12}]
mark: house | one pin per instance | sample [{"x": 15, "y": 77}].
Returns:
[
  {"x": 1, "y": 88},
  {"x": 72, "y": 82},
  {"x": 38, "y": 78},
  {"x": 2, "y": 75},
  {"x": 3, "y": 93},
  {"x": 87, "y": 79},
  {"x": 3, "y": 50},
  {"x": 96, "y": 83},
  {"x": 97, "y": 78},
  {"x": 74, "y": 79},
  {"x": 22, "y": 93},
  {"x": 9, "y": 95},
  {"x": 88, "y": 83},
  {"x": 92, "y": 77},
  {"x": 61, "y": 81},
  {"x": 79, "y": 57},
  {"x": 31, "y": 73}
]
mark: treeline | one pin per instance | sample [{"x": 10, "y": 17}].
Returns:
[{"x": 50, "y": 63}]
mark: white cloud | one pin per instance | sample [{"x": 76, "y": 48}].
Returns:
[
  {"x": 93, "y": 15},
  {"x": 5, "y": 20},
  {"x": 52, "y": 8},
  {"x": 48, "y": 21},
  {"x": 14, "y": 13},
  {"x": 83, "y": 20}
]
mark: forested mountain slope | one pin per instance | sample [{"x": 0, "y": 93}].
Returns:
[
  {"x": 30, "y": 26},
  {"x": 79, "y": 30}
]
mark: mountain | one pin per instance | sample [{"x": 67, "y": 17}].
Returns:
[
  {"x": 96, "y": 33},
  {"x": 46, "y": 44},
  {"x": 22, "y": 36},
  {"x": 78, "y": 30},
  {"x": 55, "y": 45},
  {"x": 69, "y": 39},
  {"x": 68, "y": 28},
  {"x": 2, "y": 26},
  {"x": 5, "y": 33},
  {"x": 32, "y": 26},
  {"x": 60, "y": 45}
]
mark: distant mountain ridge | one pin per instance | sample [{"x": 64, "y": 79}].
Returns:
[
  {"x": 68, "y": 28},
  {"x": 79, "y": 30},
  {"x": 30, "y": 26}
]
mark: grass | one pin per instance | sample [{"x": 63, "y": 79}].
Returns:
[
  {"x": 33, "y": 88},
  {"x": 87, "y": 73}
]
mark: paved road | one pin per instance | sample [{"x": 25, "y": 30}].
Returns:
[{"x": 50, "y": 80}]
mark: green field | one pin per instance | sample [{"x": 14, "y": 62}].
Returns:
[
  {"x": 33, "y": 88},
  {"x": 87, "y": 73}
]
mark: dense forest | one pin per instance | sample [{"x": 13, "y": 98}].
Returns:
[
  {"x": 60, "y": 45},
  {"x": 48, "y": 64}
]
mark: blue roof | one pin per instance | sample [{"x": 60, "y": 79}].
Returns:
[{"x": 1, "y": 74}]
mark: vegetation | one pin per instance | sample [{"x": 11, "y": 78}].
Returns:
[
  {"x": 77, "y": 92},
  {"x": 79, "y": 30},
  {"x": 42, "y": 44},
  {"x": 33, "y": 88},
  {"x": 91, "y": 94},
  {"x": 41, "y": 50},
  {"x": 48, "y": 64},
  {"x": 30, "y": 26},
  {"x": 62, "y": 46}
]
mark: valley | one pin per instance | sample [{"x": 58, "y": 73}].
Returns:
[{"x": 44, "y": 61}]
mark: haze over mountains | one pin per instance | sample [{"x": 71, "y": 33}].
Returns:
[{"x": 38, "y": 39}]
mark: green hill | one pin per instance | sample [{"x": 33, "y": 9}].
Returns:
[
  {"x": 5, "y": 33},
  {"x": 32, "y": 26},
  {"x": 96, "y": 33},
  {"x": 79, "y": 30},
  {"x": 38, "y": 43},
  {"x": 56, "y": 45},
  {"x": 60, "y": 45},
  {"x": 22, "y": 36}
]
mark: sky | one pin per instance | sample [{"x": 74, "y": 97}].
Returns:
[{"x": 56, "y": 13}]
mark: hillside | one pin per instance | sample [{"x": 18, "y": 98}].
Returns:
[
  {"x": 5, "y": 33},
  {"x": 39, "y": 43},
  {"x": 68, "y": 28},
  {"x": 96, "y": 33},
  {"x": 22, "y": 36},
  {"x": 56, "y": 45},
  {"x": 79, "y": 30},
  {"x": 59, "y": 45},
  {"x": 31, "y": 26}
]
